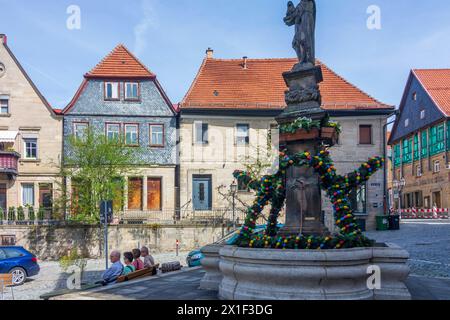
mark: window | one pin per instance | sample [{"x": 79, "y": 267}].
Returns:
[
  {"x": 422, "y": 114},
  {"x": 4, "y": 105},
  {"x": 406, "y": 123},
  {"x": 28, "y": 195},
  {"x": 132, "y": 134},
  {"x": 242, "y": 134},
  {"x": 31, "y": 148},
  {"x": 201, "y": 133},
  {"x": 418, "y": 171},
  {"x": 80, "y": 130},
  {"x": 436, "y": 166},
  {"x": 242, "y": 186},
  {"x": 365, "y": 134},
  {"x": 416, "y": 147},
  {"x": 414, "y": 96},
  {"x": 424, "y": 144},
  {"x": 111, "y": 91},
  {"x": 46, "y": 195},
  {"x": 13, "y": 253},
  {"x": 407, "y": 150},
  {"x": 397, "y": 155},
  {"x": 156, "y": 135},
  {"x": 135, "y": 191},
  {"x": 358, "y": 200},
  {"x": 113, "y": 131},
  {"x": 437, "y": 139},
  {"x": 132, "y": 91},
  {"x": 418, "y": 199}
]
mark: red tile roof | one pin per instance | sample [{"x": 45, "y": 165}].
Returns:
[
  {"x": 120, "y": 63},
  {"x": 222, "y": 83},
  {"x": 437, "y": 83}
]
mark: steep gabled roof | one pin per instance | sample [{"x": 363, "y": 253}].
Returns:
[
  {"x": 120, "y": 63},
  {"x": 226, "y": 84},
  {"x": 3, "y": 41},
  {"x": 436, "y": 83}
]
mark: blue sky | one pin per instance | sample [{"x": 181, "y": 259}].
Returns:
[{"x": 171, "y": 36}]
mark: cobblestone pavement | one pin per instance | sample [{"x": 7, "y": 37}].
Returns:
[
  {"x": 428, "y": 243},
  {"x": 52, "y": 278}
]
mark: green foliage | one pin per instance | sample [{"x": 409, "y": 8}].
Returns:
[
  {"x": 20, "y": 214},
  {"x": 41, "y": 214},
  {"x": 31, "y": 213},
  {"x": 2, "y": 214},
  {"x": 308, "y": 124},
  {"x": 12, "y": 214},
  {"x": 96, "y": 165}
]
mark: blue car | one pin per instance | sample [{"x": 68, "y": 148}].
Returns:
[
  {"x": 18, "y": 262},
  {"x": 194, "y": 257}
]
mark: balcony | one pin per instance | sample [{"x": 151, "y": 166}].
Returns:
[{"x": 9, "y": 163}]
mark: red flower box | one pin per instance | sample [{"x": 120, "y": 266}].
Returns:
[{"x": 300, "y": 135}]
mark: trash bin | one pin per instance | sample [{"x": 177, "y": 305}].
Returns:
[
  {"x": 382, "y": 223},
  {"x": 394, "y": 222}
]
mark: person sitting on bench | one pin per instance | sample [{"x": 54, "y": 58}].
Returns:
[
  {"x": 116, "y": 269},
  {"x": 148, "y": 259},
  {"x": 128, "y": 259},
  {"x": 137, "y": 263}
]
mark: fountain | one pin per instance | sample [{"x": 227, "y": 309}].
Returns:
[{"x": 303, "y": 260}]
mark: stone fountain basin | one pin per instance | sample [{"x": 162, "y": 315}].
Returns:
[{"x": 269, "y": 274}]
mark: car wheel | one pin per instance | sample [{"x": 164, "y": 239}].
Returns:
[{"x": 19, "y": 276}]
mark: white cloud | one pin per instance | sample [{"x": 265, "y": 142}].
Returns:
[{"x": 147, "y": 22}]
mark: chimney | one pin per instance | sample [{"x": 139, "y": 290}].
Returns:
[
  {"x": 3, "y": 38},
  {"x": 209, "y": 53},
  {"x": 244, "y": 63}
]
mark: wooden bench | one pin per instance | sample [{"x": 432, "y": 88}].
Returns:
[
  {"x": 147, "y": 272},
  {"x": 6, "y": 280}
]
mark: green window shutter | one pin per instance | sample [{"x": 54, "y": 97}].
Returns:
[
  {"x": 407, "y": 149},
  {"x": 416, "y": 147},
  {"x": 437, "y": 139},
  {"x": 448, "y": 135},
  {"x": 424, "y": 144},
  {"x": 397, "y": 156}
]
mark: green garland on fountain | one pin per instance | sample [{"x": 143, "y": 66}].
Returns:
[
  {"x": 271, "y": 190},
  {"x": 308, "y": 124}
]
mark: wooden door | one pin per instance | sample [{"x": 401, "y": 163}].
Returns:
[
  {"x": 154, "y": 194},
  {"x": 135, "y": 194}
]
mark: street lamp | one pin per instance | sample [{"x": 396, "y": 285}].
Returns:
[
  {"x": 399, "y": 185},
  {"x": 234, "y": 189}
]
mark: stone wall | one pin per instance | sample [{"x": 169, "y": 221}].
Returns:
[{"x": 51, "y": 242}]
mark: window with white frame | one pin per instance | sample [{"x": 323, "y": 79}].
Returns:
[
  {"x": 422, "y": 114},
  {"x": 31, "y": 148},
  {"x": 132, "y": 134},
  {"x": 242, "y": 134},
  {"x": 113, "y": 131},
  {"x": 111, "y": 91},
  {"x": 436, "y": 166},
  {"x": 418, "y": 171},
  {"x": 201, "y": 133},
  {"x": 132, "y": 91},
  {"x": 28, "y": 194},
  {"x": 4, "y": 104},
  {"x": 406, "y": 123},
  {"x": 157, "y": 135},
  {"x": 80, "y": 130}
]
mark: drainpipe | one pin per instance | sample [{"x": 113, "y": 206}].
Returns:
[{"x": 385, "y": 167}]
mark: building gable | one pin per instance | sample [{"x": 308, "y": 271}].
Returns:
[{"x": 415, "y": 100}]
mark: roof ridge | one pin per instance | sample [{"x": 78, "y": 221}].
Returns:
[
  {"x": 114, "y": 51},
  {"x": 352, "y": 85},
  {"x": 252, "y": 59}
]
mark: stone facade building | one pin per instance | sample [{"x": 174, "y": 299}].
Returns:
[
  {"x": 30, "y": 138},
  {"x": 420, "y": 141},
  {"x": 122, "y": 98},
  {"x": 229, "y": 111}
]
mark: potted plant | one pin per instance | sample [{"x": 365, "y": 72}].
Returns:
[
  {"x": 2, "y": 215},
  {"x": 11, "y": 215},
  {"x": 300, "y": 129},
  {"x": 31, "y": 215}
]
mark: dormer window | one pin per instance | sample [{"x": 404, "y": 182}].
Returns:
[
  {"x": 131, "y": 91},
  {"x": 111, "y": 91},
  {"x": 406, "y": 123},
  {"x": 422, "y": 114},
  {"x": 414, "y": 96}
]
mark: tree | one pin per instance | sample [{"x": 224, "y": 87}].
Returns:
[{"x": 96, "y": 166}]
